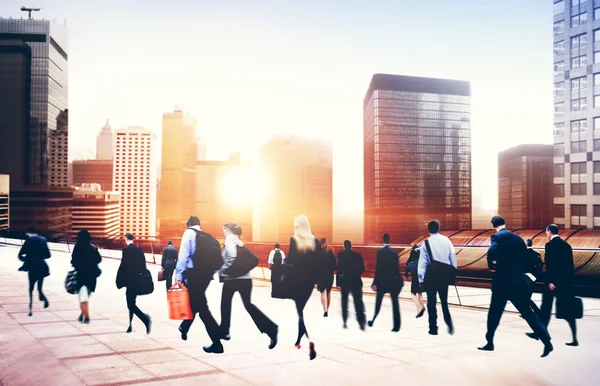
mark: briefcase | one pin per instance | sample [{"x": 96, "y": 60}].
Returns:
[
  {"x": 178, "y": 298},
  {"x": 161, "y": 275},
  {"x": 569, "y": 307}
]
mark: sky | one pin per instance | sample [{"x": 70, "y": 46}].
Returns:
[{"x": 248, "y": 70}]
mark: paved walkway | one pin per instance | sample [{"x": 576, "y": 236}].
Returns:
[{"x": 51, "y": 348}]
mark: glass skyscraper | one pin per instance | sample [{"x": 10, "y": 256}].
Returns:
[
  {"x": 417, "y": 156},
  {"x": 576, "y": 63}
]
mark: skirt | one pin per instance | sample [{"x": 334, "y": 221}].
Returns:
[
  {"x": 325, "y": 285},
  {"x": 415, "y": 288},
  {"x": 84, "y": 294}
]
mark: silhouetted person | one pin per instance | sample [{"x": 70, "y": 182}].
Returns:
[
  {"x": 168, "y": 263},
  {"x": 533, "y": 267},
  {"x": 33, "y": 254},
  {"x": 196, "y": 255},
  {"x": 558, "y": 282},
  {"x": 85, "y": 260},
  {"x": 133, "y": 263},
  {"x": 505, "y": 256},
  {"x": 350, "y": 269},
  {"x": 243, "y": 285},
  {"x": 416, "y": 292},
  {"x": 387, "y": 280},
  {"x": 305, "y": 250},
  {"x": 276, "y": 257},
  {"x": 436, "y": 273},
  {"x": 327, "y": 265}
]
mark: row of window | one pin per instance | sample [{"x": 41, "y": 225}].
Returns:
[
  {"x": 577, "y": 168},
  {"x": 577, "y": 104},
  {"x": 577, "y": 189},
  {"x": 559, "y": 7}
]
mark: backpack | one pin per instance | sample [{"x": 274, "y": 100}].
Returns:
[
  {"x": 277, "y": 259},
  {"x": 207, "y": 256}
]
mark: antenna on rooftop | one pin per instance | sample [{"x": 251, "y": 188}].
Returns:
[{"x": 25, "y": 9}]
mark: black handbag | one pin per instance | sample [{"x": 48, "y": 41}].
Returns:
[
  {"x": 569, "y": 307},
  {"x": 245, "y": 262},
  {"x": 71, "y": 283},
  {"x": 438, "y": 273},
  {"x": 282, "y": 281},
  {"x": 144, "y": 284}
]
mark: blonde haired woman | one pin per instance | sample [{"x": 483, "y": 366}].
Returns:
[{"x": 304, "y": 252}]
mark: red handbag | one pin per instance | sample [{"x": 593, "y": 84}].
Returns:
[{"x": 178, "y": 298}]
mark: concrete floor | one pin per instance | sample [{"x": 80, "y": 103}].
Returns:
[{"x": 52, "y": 348}]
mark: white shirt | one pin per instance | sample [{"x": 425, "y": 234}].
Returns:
[
  {"x": 186, "y": 251},
  {"x": 272, "y": 255},
  {"x": 442, "y": 250}
]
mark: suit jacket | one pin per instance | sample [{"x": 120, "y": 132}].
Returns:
[
  {"x": 559, "y": 265},
  {"x": 351, "y": 266},
  {"x": 507, "y": 255},
  {"x": 169, "y": 257},
  {"x": 33, "y": 254},
  {"x": 387, "y": 271},
  {"x": 133, "y": 263}
]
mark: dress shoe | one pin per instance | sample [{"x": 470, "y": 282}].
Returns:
[
  {"x": 532, "y": 335},
  {"x": 312, "y": 353},
  {"x": 326, "y": 314},
  {"x": 86, "y": 320},
  {"x": 433, "y": 332},
  {"x": 183, "y": 333},
  {"x": 548, "y": 348},
  {"x": 370, "y": 323},
  {"x": 148, "y": 326},
  {"x": 345, "y": 326},
  {"x": 421, "y": 313},
  {"x": 362, "y": 327},
  {"x": 213, "y": 349},
  {"x": 129, "y": 329},
  {"x": 274, "y": 340},
  {"x": 226, "y": 337},
  {"x": 80, "y": 318},
  {"x": 488, "y": 347},
  {"x": 574, "y": 343},
  {"x": 46, "y": 303},
  {"x": 451, "y": 330}
]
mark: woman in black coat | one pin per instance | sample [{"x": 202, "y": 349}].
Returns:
[
  {"x": 416, "y": 293},
  {"x": 85, "y": 260},
  {"x": 305, "y": 250},
  {"x": 326, "y": 267}
]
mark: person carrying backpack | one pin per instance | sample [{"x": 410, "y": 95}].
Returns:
[
  {"x": 199, "y": 258},
  {"x": 276, "y": 257},
  {"x": 416, "y": 292}
]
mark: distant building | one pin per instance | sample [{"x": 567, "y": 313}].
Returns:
[
  {"x": 104, "y": 143},
  {"x": 4, "y": 202},
  {"x": 177, "y": 194},
  {"x": 525, "y": 186},
  {"x": 94, "y": 172},
  {"x": 417, "y": 156},
  {"x": 34, "y": 124},
  {"x": 97, "y": 211},
  {"x": 202, "y": 151},
  {"x": 297, "y": 176},
  {"x": 216, "y": 203},
  {"x": 482, "y": 218},
  {"x": 134, "y": 177}
]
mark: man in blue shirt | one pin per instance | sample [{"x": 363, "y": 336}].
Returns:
[{"x": 437, "y": 253}]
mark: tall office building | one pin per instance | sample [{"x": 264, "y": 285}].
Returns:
[
  {"x": 525, "y": 186},
  {"x": 4, "y": 202},
  {"x": 217, "y": 199},
  {"x": 297, "y": 176},
  {"x": 34, "y": 129},
  {"x": 134, "y": 177},
  {"x": 104, "y": 143},
  {"x": 177, "y": 194},
  {"x": 576, "y": 114},
  {"x": 97, "y": 211},
  {"x": 94, "y": 171},
  {"x": 417, "y": 156}
]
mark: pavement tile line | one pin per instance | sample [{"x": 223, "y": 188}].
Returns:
[
  {"x": 121, "y": 353},
  {"x": 164, "y": 378}
]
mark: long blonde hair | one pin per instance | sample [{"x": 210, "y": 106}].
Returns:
[{"x": 305, "y": 240}]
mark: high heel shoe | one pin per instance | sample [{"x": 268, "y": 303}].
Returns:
[
  {"x": 129, "y": 329},
  {"x": 312, "y": 354}
]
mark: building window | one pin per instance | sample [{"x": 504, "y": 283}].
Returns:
[
  {"x": 559, "y": 7},
  {"x": 578, "y": 214},
  {"x": 559, "y": 109},
  {"x": 559, "y": 27},
  {"x": 578, "y": 189},
  {"x": 559, "y": 89},
  {"x": 558, "y": 210},
  {"x": 596, "y": 15},
  {"x": 579, "y": 19},
  {"x": 596, "y": 210},
  {"x": 559, "y": 170},
  {"x": 559, "y": 190},
  {"x": 596, "y": 166},
  {"x": 559, "y": 129},
  {"x": 578, "y": 94},
  {"x": 559, "y": 150},
  {"x": 559, "y": 67},
  {"x": 578, "y": 147},
  {"x": 579, "y": 168},
  {"x": 596, "y": 144},
  {"x": 559, "y": 47},
  {"x": 578, "y": 129}
]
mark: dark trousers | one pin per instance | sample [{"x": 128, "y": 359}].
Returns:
[
  {"x": 395, "y": 306},
  {"x": 359, "y": 306},
  {"x": 432, "y": 294},
  {"x": 546, "y": 310},
  {"x": 301, "y": 301},
  {"x": 244, "y": 287},
  {"x": 168, "y": 273},
  {"x": 521, "y": 302},
  {"x": 199, "y": 305},
  {"x": 134, "y": 309}
]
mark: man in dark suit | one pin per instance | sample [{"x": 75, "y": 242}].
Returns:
[
  {"x": 350, "y": 269},
  {"x": 33, "y": 253},
  {"x": 169, "y": 262},
  {"x": 506, "y": 256},
  {"x": 133, "y": 263},
  {"x": 387, "y": 280},
  {"x": 558, "y": 282}
]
